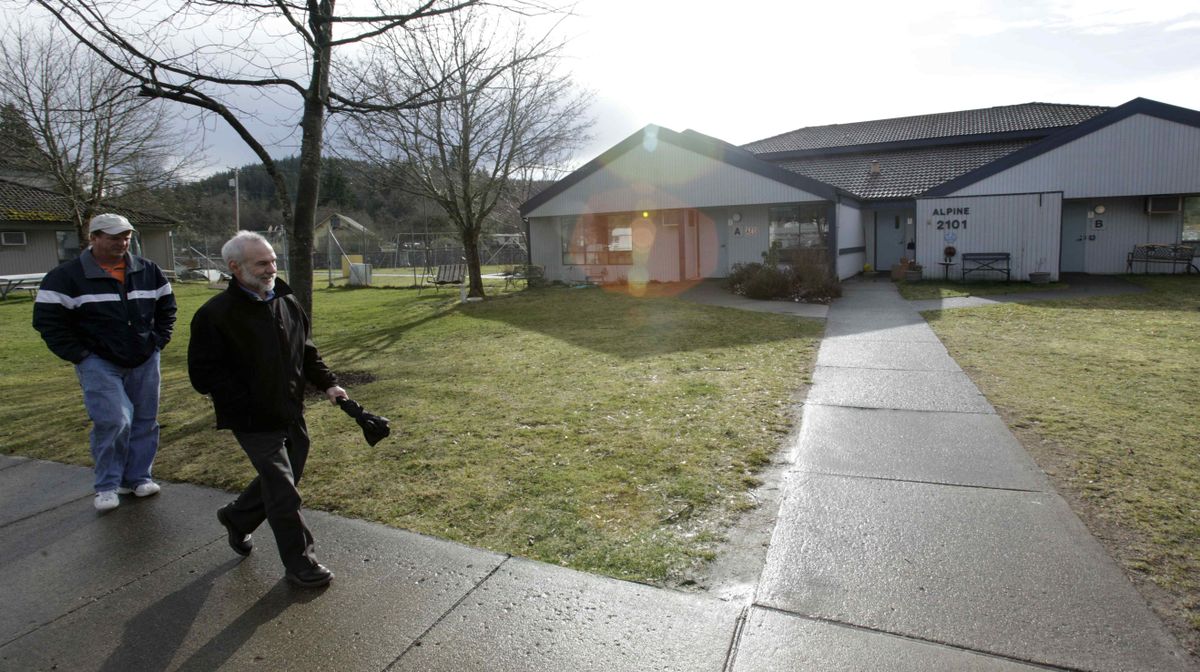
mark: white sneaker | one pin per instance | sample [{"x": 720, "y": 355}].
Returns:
[
  {"x": 142, "y": 490},
  {"x": 106, "y": 500}
]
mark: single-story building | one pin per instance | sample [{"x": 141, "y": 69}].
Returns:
[
  {"x": 1059, "y": 188},
  {"x": 37, "y": 231}
]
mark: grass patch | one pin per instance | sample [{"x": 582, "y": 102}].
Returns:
[
  {"x": 945, "y": 289},
  {"x": 581, "y": 427},
  {"x": 1103, "y": 390}
]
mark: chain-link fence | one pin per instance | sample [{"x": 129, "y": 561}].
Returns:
[{"x": 201, "y": 258}]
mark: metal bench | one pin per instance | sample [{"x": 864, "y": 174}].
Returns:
[
  {"x": 1149, "y": 253},
  {"x": 450, "y": 274},
  {"x": 985, "y": 262}
]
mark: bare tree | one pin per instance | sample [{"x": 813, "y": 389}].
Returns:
[
  {"x": 209, "y": 53},
  {"x": 502, "y": 114},
  {"x": 76, "y": 125}
]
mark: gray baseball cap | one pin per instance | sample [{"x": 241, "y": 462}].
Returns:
[{"x": 110, "y": 224}]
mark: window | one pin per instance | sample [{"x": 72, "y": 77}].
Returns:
[
  {"x": 597, "y": 240},
  {"x": 798, "y": 226},
  {"x": 12, "y": 238},
  {"x": 68, "y": 245},
  {"x": 1191, "y": 222}
]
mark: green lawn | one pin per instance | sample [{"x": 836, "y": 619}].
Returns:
[
  {"x": 1106, "y": 394},
  {"x": 575, "y": 426}
]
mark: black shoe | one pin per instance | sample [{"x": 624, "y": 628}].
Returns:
[
  {"x": 240, "y": 543},
  {"x": 313, "y": 577}
]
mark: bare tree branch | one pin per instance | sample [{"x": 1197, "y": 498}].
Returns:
[
  {"x": 87, "y": 132},
  {"x": 500, "y": 110},
  {"x": 202, "y": 52}
]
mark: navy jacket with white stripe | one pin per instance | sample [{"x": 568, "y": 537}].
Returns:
[{"x": 80, "y": 310}]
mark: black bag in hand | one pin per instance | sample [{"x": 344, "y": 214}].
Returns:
[{"x": 375, "y": 427}]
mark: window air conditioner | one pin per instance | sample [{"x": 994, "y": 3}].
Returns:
[
  {"x": 1163, "y": 204},
  {"x": 12, "y": 238}
]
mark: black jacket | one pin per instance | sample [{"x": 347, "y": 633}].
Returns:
[
  {"x": 80, "y": 309},
  {"x": 254, "y": 357}
]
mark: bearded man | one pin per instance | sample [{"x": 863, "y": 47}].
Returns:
[{"x": 251, "y": 350}]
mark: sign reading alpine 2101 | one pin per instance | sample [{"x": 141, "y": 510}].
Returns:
[{"x": 953, "y": 218}]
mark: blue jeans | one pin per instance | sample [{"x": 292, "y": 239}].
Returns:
[{"x": 123, "y": 406}]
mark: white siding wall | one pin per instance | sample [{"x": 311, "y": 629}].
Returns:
[
  {"x": 661, "y": 176},
  {"x": 546, "y": 250},
  {"x": 1125, "y": 224},
  {"x": 850, "y": 233},
  {"x": 1135, "y": 156},
  {"x": 1026, "y": 226},
  {"x": 38, "y": 255}
]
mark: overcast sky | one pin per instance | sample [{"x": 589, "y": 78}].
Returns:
[{"x": 750, "y": 69}]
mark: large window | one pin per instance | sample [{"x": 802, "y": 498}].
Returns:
[
  {"x": 798, "y": 226},
  {"x": 597, "y": 240},
  {"x": 68, "y": 245},
  {"x": 1191, "y": 222}
]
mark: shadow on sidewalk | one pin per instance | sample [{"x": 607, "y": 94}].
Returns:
[{"x": 153, "y": 638}]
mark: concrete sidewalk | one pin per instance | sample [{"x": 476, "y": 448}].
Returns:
[
  {"x": 915, "y": 534},
  {"x": 915, "y": 519}
]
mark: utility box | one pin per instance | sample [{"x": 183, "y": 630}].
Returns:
[
  {"x": 347, "y": 261},
  {"x": 360, "y": 275}
]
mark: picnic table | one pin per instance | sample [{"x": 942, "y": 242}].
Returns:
[{"x": 30, "y": 281}]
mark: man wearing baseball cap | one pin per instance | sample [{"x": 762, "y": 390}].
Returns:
[{"x": 109, "y": 313}]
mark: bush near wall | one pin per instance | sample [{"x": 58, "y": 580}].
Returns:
[{"x": 809, "y": 283}]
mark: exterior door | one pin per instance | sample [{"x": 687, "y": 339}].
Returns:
[
  {"x": 690, "y": 256},
  {"x": 1074, "y": 238},
  {"x": 890, "y": 237}
]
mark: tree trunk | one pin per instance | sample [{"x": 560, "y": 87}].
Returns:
[
  {"x": 300, "y": 258},
  {"x": 312, "y": 126},
  {"x": 470, "y": 240}
]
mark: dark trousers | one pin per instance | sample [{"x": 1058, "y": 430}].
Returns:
[{"x": 278, "y": 457}]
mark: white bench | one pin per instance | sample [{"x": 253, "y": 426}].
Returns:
[{"x": 29, "y": 281}]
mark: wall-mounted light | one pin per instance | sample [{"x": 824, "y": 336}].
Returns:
[
  {"x": 645, "y": 215},
  {"x": 1099, "y": 209},
  {"x": 737, "y": 217}
]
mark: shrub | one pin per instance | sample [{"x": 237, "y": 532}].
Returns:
[
  {"x": 808, "y": 283},
  {"x": 758, "y": 281},
  {"x": 768, "y": 283}
]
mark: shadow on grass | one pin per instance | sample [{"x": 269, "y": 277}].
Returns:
[
  {"x": 618, "y": 324},
  {"x": 607, "y": 321}
]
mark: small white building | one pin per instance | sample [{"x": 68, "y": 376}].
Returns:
[
  {"x": 1059, "y": 188},
  {"x": 37, "y": 231}
]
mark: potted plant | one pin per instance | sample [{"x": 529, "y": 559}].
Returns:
[
  {"x": 1040, "y": 277},
  {"x": 913, "y": 274}
]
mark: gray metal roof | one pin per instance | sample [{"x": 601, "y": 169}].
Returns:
[
  {"x": 902, "y": 173},
  {"x": 1004, "y": 119},
  {"x": 21, "y": 203}
]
